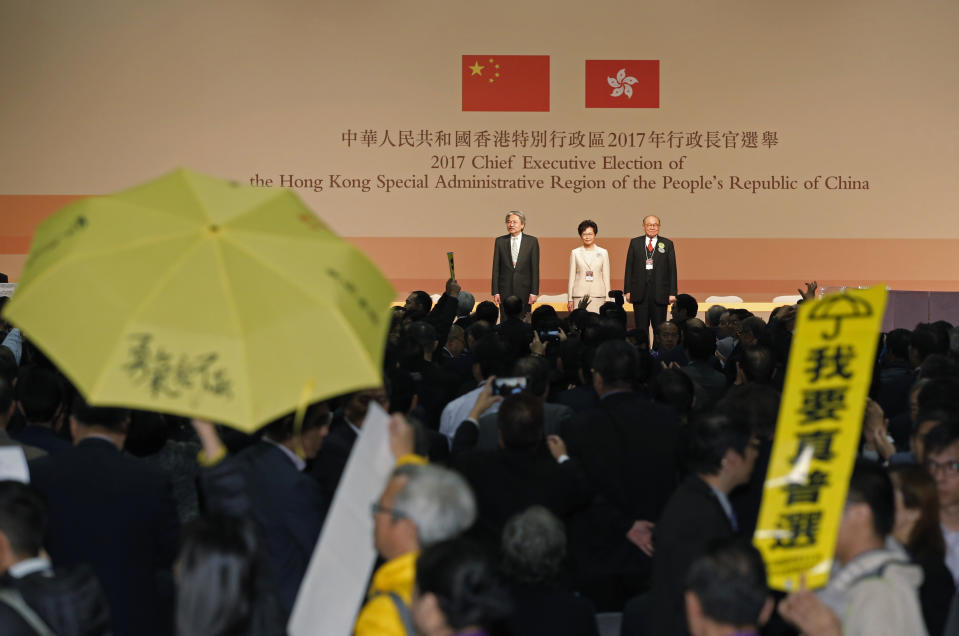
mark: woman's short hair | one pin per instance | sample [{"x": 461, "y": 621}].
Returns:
[
  {"x": 587, "y": 224},
  {"x": 533, "y": 546}
]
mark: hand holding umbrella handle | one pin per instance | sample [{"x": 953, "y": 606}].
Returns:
[{"x": 212, "y": 450}]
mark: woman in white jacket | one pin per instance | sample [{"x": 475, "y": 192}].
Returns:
[{"x": 588, "y": 270}]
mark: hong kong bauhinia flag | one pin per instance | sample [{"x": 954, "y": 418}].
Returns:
[
  {"x": 622, "y": 83},
  {"x": 505, "y": 82}
]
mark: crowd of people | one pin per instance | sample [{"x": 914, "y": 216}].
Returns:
[{"x": 549, "y": 469}]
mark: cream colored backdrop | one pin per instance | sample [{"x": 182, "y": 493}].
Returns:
[{"x": 98, "y": 96}]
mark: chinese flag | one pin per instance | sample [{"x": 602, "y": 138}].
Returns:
[
  {"x": 622, "y": 83},
  {"x": 506, "y": 82}
]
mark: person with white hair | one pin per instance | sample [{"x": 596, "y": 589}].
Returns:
[{"x": 420, "y": 506}]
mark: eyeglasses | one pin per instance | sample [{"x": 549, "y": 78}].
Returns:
[
  {"x": 951, "y": 468},
  {"x": 376, "y": 508}
]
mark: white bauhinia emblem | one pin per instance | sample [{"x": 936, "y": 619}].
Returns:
[{"x": 622, "y": 85}]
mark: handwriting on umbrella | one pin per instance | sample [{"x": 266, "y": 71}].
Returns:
[
  {"x": 361, "y": 300},
  {"x": 78, "y": 224},
  {"x": 169, "y": 374}
]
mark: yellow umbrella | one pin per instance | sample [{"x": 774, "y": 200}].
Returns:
[{"x": 200, "y": 297}]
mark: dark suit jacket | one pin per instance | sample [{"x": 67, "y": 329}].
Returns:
[
  {"x": 42, "y": 437},
  {"x": 521, "y": 280},
  {"x": 69, "y": 600},
  {"x": 442, "y": 315},
  {"x": 436, "y": 386},
  {"x": 692, "y": 519},
  {"x": 550, "y": 609},
  {"x": 118, "y": 514},
  {"x": 664, "y": 271},
  {"x": 730, "y": 370},
  {"x": 895, "y": 380},
  {"x": 516, "y": 333},
  {"x": 630, "y": 450},
  {"x": 30, "y": 452},
  {"x": 710, "y": 383},
  {"x": 508, "y": 481},
  {"x": 263, "y": 484},
  {"x": 936, "y": 591},
  {"x": 578, "y": 398},
  {"x": 330, "y": 462}
]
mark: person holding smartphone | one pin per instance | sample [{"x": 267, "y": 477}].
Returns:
[{"x": 588, "y": 270}]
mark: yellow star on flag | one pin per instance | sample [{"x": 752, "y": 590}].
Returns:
[{"x": 476, "y": 68}]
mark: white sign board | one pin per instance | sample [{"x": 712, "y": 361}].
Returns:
[{"x": 333, "y": 589}]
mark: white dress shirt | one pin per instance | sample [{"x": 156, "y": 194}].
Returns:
[{"x": 514, "y": 242}]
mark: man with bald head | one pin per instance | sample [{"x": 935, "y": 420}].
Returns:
[{"x": 650, "y": 283}]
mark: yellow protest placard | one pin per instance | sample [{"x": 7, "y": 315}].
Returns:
[{"x": 817, "y": 435}]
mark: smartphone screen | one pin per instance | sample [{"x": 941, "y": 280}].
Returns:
[{"x": 509, "y": 386}]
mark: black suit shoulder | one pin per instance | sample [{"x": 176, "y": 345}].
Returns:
[
  {"x": 331, "y": 460},
  {"x": 508, "y": 481},
  {"x": 118, "y": 514},
  {"x": 91, "y": 460},
  {"x": 692, "y": 519},
  {"x": 629, "y": 448},
  {"x": 68, "y": 600}
]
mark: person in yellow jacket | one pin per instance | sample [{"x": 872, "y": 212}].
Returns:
[{"x": 421, "y": 505}]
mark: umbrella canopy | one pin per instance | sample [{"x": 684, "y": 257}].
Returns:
[{"x": 200, "y": 297}]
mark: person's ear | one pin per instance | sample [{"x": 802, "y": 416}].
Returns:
[
  {"x": 7, "y": 558},
  {"x": 427, "y": 613},
  {"x": 911, "y": 514},
  {"x": 694, "y": 612},
  {"x": 729, "y": 457},
  {"x": 767, "y": 611},
  {"x": 859, "y": 512}
]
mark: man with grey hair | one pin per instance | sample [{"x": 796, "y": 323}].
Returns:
[
  {"x": 466, "y": 303},
  {"x": 516, "y": 262},
  {"x": 420, "y": 506},
  {"x": 713, "y": 315}
]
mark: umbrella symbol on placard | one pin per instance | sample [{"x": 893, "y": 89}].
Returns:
[{"x": 837, "y": 308}]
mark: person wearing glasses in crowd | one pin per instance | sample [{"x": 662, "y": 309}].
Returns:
[
  {"x": 916, "y": 528},
  {"x": 420, "y": 506},
  {"x": 942, "y": 462},
  {"x": 588, "y": 270}
]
